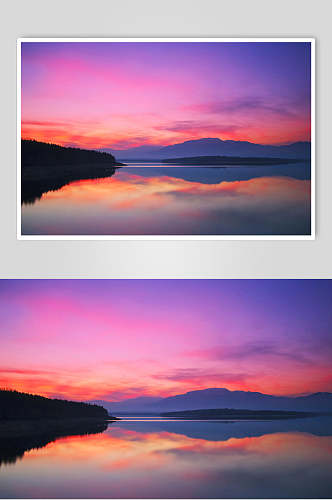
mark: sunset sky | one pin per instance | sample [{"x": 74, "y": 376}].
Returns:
[
  {"x": 126, "y": 94},
  {"x": 114, "y": 339}
]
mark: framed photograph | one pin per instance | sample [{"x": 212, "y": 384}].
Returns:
[
  {"x": 165, "y": 389},
  {"x": 166, "y": 138}
]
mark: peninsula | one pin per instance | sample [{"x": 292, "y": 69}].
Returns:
[
  {"x": 48, "y": 167},
  {"x": 19, "y": 412},
  {"x": 29, "y": 421}
]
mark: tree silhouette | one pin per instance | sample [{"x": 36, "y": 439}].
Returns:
[{"x": 20, "y": 405}]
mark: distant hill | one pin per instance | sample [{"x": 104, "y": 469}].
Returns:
[
  {"x": 216, "y": 147},
  {"x": 223, "y": 398},
  {"x": 35, "y": 153},
  {"x": 19, "y": 405},
  {"x": 213, "y": 146}
]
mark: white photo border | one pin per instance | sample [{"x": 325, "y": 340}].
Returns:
[{"x": 312, "y": 236}]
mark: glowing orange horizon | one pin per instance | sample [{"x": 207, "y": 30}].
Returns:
[
  {"x": 122, "y": 95},
  {"x": 119, "y": 339}
]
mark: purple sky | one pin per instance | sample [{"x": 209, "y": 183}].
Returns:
[
  {"x": 123, "y": 94},
  {"x": 114, "y": 339}
]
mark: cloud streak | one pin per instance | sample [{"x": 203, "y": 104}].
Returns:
[
  {"x": 196, "y": 375},
  {"x": 115, "y": 339},
  {"x": 198, "y": 128},
  {"x": 247, "y": 104},
  {"x": 256, "y": 349},
  {"x": 129, "y": 94}
]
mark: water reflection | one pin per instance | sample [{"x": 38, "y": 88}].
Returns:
[
  {"x": 13, "y": 446},
  {"x": 176, "y": 201},
  {"x": 213, "y": 174},
  {"x": 138, "y": 460},
  {"x": 33, "y": 186},
  {"x": 215, "y": 430}
]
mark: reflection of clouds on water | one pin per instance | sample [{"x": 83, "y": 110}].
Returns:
[
  {"x": 132, "y": 203},
  {"x": 211, "y": 175},
  {"x": 138, "y": 460},
  {"x": 13, "y": 447}
]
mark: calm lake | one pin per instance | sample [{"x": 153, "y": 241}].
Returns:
[
  {"x": 150, "y": 199},
  {"x": 146, "y": 457}
]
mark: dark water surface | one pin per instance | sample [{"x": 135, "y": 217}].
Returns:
[
  {"x": 156, "y": 200},
  {"x": 142, "y": 457}
]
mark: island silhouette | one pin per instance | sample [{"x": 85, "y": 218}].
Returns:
[{"x": 230, "y": 160}]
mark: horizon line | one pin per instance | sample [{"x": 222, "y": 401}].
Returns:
[
  {"x": 165, "y": 145},
  {"x": 58, "y": 396}
]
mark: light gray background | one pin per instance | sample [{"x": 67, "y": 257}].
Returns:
[{"x": 185, "y": 259}]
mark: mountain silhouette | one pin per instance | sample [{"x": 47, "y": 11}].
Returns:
[
  {"x": 223, "y": 398},
  {"x": 213, "y": 146}
]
